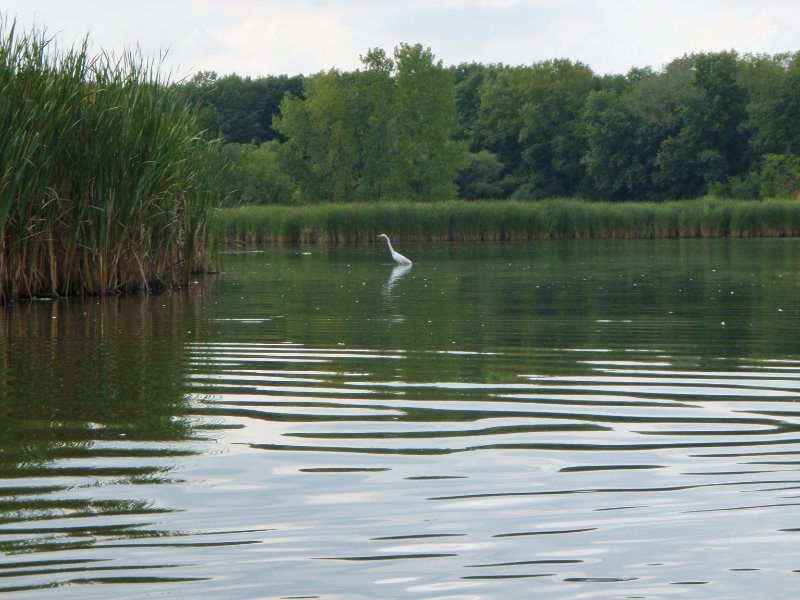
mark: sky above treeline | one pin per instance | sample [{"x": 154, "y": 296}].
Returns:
[{"x": 273, "y": 37}]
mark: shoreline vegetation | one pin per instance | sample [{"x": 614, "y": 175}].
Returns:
[
  {"x": 105, "y": 179},
  {"x": 459, "y": 220}
]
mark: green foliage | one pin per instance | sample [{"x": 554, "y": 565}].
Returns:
[
  {"x": 470, "y": 81},
  {"x": 711, "y": 145},
  {"x": 773, "y": 122},
  {"x": 373, "y": 103},
  {"x": 552, "y": 144},
  {"x": 406, "y": 127},
  {"x": 105, "y": 182},
  {"x": 241, "y": 109},
  {"x": 509, "y": 220},
  {"x": 385, "y": 132},
  {"x": 320, "y": 150},
  {"x": 531, "y": 115},
  {"x": 614, "y": 161},
  {"x": 779, "y": 176},
  {"x": 255, "y": 175},
  {"x": 480, "y": 178},
  {"x": 424, "y": 157}
]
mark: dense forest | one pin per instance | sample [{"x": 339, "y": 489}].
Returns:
[{"x": 406, "y": 127}]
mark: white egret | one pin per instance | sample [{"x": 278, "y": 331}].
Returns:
[{"x": 398, "y": 258}]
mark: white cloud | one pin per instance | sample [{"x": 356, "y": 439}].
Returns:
[{"x": 260, "y": 37}]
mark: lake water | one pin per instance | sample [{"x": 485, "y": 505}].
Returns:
[{"x": 598, "y": 419}]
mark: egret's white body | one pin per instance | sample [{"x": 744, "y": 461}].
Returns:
[{"x": 398, "y": 258}]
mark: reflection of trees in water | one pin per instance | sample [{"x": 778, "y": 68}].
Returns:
[{"x": 91, "y": 394}]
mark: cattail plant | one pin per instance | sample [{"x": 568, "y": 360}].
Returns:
[{"x": 106, "y": 179}]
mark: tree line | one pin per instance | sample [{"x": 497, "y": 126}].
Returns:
[{"x": 406, "y": 127}]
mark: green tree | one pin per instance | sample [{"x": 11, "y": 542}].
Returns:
[
  {"x": 240, "y": 109},
  {"x": 480, "y": 178},
  {"x": 500, "y": 124},
  {"x": 255, "y": 175},
  {"x": 531, "y": 121},
  {"x": 320, "y": 150},
  {"x": 712, "y": 145},
  {"x": 373, "y": 102},
  {"x": 197, "y": 92},
  {"x": 763, "y": 78},
  {"x": 425, "y": 157},
  {"x": 470, "y": 81},
  {"x": 614, "y": 164},
  {"x": 382, "y": 133},
  {"x": 625, "y": 124},
  {"x": 779, "y": 176},
  {"x": 551, "y": 137},
  {"x": 773, "y": 85}
]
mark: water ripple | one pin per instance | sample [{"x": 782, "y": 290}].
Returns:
[{"x": 612, "y": 408}]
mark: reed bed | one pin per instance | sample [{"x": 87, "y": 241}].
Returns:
[
  {"x": 507, "y": 220},
  {"x": 105, "y": 181}
]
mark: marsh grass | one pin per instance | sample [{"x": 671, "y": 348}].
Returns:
[
  {"x": 507, "y": 220},
  {"x": 104, "y": 179}
]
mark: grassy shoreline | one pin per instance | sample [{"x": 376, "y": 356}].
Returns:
[{"x": 506, "y": 220}]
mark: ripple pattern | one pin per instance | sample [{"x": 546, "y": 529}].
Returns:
[{"x": 455, "y": 470}]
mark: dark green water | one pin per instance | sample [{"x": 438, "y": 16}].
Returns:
[{"x": 553, "y": 420}]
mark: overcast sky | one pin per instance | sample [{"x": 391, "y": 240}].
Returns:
[{"x": 272, "y": 37}]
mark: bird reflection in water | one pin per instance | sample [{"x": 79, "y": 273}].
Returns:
[{"x": 398, "y": 272}]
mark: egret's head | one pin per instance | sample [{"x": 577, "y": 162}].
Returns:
[{"x": 383, "y": 235}]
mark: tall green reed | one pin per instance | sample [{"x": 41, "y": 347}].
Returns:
[
  {"x": 106, "y": 182},
  {"x": 507, "y": 220}
]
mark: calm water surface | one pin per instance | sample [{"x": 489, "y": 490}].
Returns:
[{"x": 548, "y": 420}]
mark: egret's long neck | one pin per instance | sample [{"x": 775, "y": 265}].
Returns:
[{"x": 389, "y": 243}]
